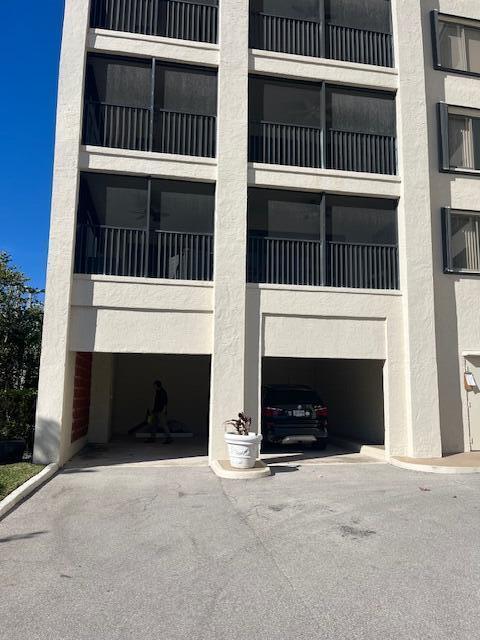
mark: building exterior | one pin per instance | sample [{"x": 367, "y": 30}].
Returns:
[{"x": 272, "y": 191}]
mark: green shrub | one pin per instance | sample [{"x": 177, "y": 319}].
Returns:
[{"x": 17, "y": 414}]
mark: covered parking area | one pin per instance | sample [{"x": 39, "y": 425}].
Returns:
[
  {"x": 352, "y": 390},
  {"x": 122, "y": 393}
]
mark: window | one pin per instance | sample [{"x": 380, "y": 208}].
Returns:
[
  {"x": 285, "y": 102},
  {"x": 185, "y": 89},
  {"x": 461, "y": 241},
  {"x": 365, "y": 221},
  {"x": 118, "y": 81},
  {"x": 300, "y": 9},
  {"x": 371, "y": 15},
  {"x": 361, "y": 111},
  {"x": 460, "y": 138},
  {"x": 284, "y": 214},
  {"x": 456, "y": 43}
]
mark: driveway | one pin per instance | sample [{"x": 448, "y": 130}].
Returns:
[{"x": 335, "y": 551}]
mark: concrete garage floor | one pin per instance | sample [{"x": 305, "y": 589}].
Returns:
[{"x": 363, "y": 551}]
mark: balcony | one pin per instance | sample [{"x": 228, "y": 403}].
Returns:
[
  {"x": 142, "y": 228},
  {"x": 294, "y": 239},
  {"x": 147, "y": 106},
  {"x": 340, "y": 31},
  {"x": 313, "y": 125},
  {"x": 182, "y": 19}
]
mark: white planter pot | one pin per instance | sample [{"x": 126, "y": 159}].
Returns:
[{"x": 243, "y": 450}]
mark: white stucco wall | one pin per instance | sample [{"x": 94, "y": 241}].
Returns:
[
  {"x": 54, "y": 407},
  {"x": 457, "y": 297}
]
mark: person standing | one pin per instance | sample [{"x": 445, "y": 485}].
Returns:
[{"x": 158, "y": 418}]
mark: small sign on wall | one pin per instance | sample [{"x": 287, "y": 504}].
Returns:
[{"x": 470, "y": 382}]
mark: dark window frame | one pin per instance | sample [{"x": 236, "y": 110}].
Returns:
[
  {"x": 463, "y": 21},
  {"x": 448, "y": 267},
  {"x": 444, "y": 145}
]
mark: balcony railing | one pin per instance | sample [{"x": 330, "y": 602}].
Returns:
[
  {"x": 118, "y": 251},
  {"x": 121, "y": 127},
  {"x": 284, "y": 261},
  {"x": 359, "y": 45},
  {"x": 285, "y": 35},
  {"x": 363, "y": 266},
  {"x": 182, "y": 19},
  {"x": 111, "y": 251},
  {"x": 117, "y": 126},
  {"x": 184, "y": 133},
  {"x": 367, "y": 152},
  {"x": 184, "y": 256},
  {"x": 304, "y": 38},
  {"x": 300, "y": 262},
  {"x": 291, "y": 145}
]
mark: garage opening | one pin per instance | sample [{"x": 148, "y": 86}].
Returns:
[
  {"x": 123, "y": 396},
  {"x": 351, "y": 391}
]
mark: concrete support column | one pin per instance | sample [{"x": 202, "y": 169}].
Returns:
[
  {"x": 100, "y": 422},
  {"x": 54, "y": 407},
  {"x": 228, "y": 366},
  {"x": 415, "y": 238}
]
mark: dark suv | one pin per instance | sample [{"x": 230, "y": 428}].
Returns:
[{"x": 292, "y": 414}]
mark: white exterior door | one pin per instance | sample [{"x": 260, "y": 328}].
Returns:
[{"x": 473, "y": 398}]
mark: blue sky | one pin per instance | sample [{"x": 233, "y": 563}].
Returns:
[{"x": 29, "y": 51}]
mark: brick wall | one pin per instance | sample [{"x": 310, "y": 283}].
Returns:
[{"x": 81, "y": 395}]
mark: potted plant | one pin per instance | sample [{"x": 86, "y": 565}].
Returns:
[{"x": 243, "y": 446}]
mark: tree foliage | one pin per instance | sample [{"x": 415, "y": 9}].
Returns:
[{"x": 21, "y": 315}]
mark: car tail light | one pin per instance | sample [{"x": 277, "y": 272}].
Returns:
[
  {"x": 321, "y": 412},
  {"x": 271, "y": 412}
]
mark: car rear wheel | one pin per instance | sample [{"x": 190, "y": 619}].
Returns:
[{"x": 320, "y": 444}]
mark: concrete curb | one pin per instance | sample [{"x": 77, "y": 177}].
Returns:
[
  {"x": 432, "y": 468},
  {"x": 28, "y": 487},
  {"x": 223, "y": 469}
]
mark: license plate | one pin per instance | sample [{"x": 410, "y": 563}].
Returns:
[{"x": 299, "y": 413}]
